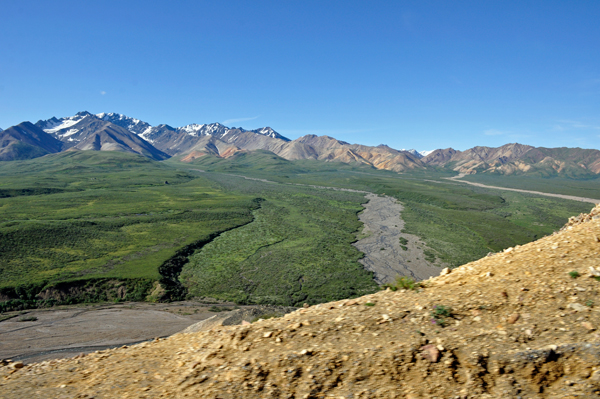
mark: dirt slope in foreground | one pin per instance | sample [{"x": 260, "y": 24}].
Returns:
[{"x": 519, "y": 326}]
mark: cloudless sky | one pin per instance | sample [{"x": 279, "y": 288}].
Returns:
[{"x": 410, "y": 74}]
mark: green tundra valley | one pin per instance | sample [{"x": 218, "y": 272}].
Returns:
[{"x": 252, "y": 228}]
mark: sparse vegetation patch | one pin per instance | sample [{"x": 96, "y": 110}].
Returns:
[{"x": 402, "y": 283}]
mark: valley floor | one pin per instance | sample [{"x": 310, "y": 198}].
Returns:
[
  {"x": 518, "y": 190},
  {"x": 380, "y": 239}
]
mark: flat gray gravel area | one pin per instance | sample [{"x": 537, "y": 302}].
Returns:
[
  {"x": 72, "y": 330},
  {"x": 381, "y": 244}
]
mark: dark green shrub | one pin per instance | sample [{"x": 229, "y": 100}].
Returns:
[{"x": 439, "y": 315}]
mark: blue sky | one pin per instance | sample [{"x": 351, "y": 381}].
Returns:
[{"x": 410, "y": 74}]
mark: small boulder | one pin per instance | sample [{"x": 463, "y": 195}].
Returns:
[
  {"x": 578, "y": 307},
  {"x": 17, "y": 365},
  {"x": 430, "y": 352},
  {"x": 588, "y": 326}
]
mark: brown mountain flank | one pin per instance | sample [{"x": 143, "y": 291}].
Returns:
[
  {"x": 322, "y": 148},
  {"x": 105, "y": 136},
  {"x": 521, "y": 323},
  {"x": 517, "y": 158},
  {"x": 329, "y": 149}
]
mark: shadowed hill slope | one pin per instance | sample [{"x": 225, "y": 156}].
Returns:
[
  {"x": 518, "y": 323},
  {"x": 26, "y": 141}
]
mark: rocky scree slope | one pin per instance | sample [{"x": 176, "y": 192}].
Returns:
[{"x": 520, "y": 323}]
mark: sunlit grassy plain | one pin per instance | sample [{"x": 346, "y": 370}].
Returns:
[{"x": 108, "y": 215}]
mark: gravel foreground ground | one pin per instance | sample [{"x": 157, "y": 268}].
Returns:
[{"x": 520, "y": 323}]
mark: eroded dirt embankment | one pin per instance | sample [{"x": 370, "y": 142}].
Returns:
[{"x": 515, "y": 324}]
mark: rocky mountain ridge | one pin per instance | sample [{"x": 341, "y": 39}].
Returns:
[
  {"x": 196, "y": 140},
  {"x": 520, "y": 323}
]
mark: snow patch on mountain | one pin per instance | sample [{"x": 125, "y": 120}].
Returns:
[
  {"x": 54, "y": 126},
  {"x": 413, "y": 152},
  {"x": 70, "y": 132},
  {"x": 191, "y": 129},
  {"x": 196, "y": 130},
  {"x": 425, "y": 153},
  {"x": 145, "y": 134}
]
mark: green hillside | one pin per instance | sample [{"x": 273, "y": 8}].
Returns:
[{"x": 83, "y": 215}]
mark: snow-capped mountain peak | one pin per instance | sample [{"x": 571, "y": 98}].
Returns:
[
  {"x": 192, "y": 129},
  {"x": 134, "y": 125},
  {"x": 211, "y": 129},
  {"x": 165, "y": 137},
  {"x": 413, "y": 152},
  {"x": 267, "y": 131},
  {"x": 425, "y": 153}
]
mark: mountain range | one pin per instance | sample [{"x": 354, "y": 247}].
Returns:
[{"x": 117, "y": 132}]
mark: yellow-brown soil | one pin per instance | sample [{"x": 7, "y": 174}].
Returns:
[{"x": 519, "y": 326}]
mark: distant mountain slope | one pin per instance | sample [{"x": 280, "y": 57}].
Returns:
[
  {"x": 567, "y": 160},
  {"x": 323, "y": 148},
  {"x": 196, "y": 140},
  {"x": 517, "y": 158},
  {"x": 64, "y": 129},
  {"x": 85, "y": 131},
  {"x": 439, "y": 157},
  {"x": 133, "y": 125},
  {"x": 329, "y": 149},
  {"x": 415, "y": 152},
  {"x": 26, "y": 141},
  {"x": 104, "y": 136}
]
